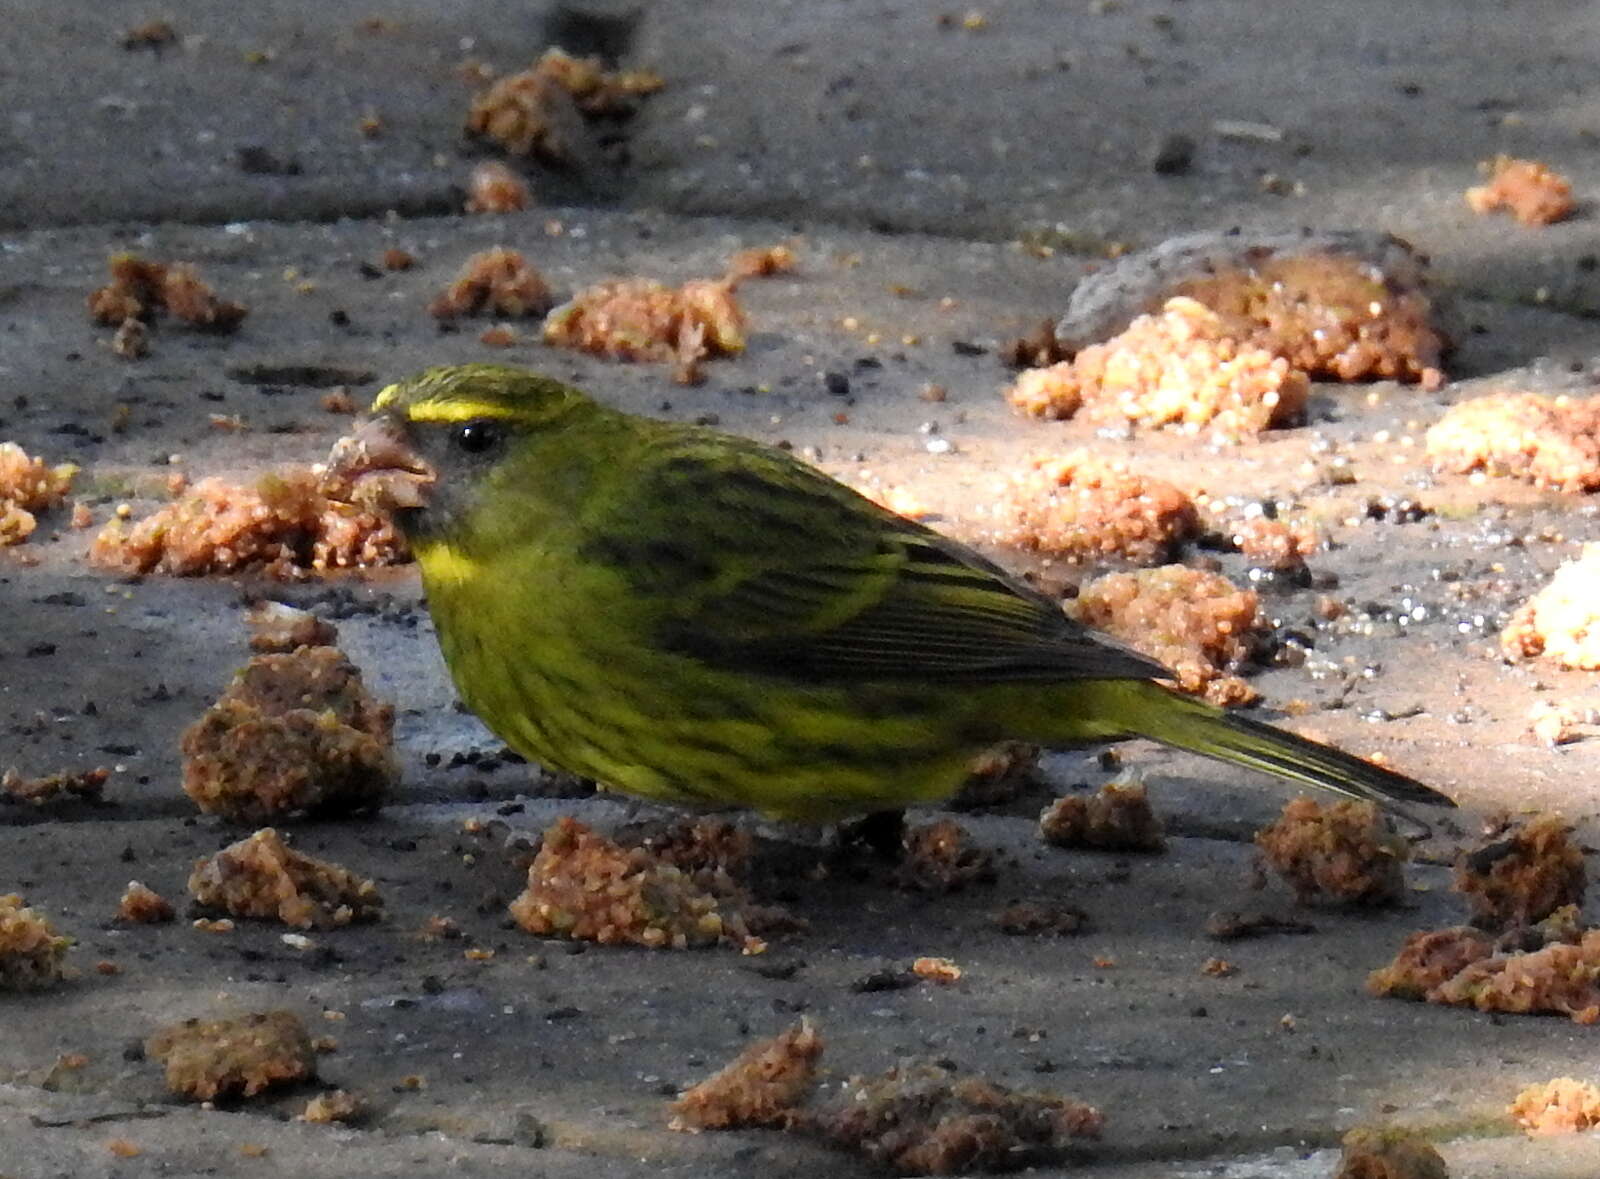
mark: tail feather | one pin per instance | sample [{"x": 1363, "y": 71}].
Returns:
[{"x": 1200, "y": 728}]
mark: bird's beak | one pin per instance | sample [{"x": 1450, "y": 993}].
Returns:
[{"x": 375, "y": 466}]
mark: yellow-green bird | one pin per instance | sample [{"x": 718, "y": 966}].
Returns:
[{"x": 696, "y": 618}]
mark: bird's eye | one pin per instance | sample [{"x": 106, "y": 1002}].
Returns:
[{"x": 477, "y": 437}]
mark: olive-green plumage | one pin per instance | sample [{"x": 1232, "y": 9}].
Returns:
[{"x": 696, "y": 618}]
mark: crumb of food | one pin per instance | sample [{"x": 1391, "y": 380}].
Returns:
[
  {"x": 336, "y": 1105},
  {"x": 1218, "y": 968},
  {"x": 151, "y": 34},
  {"x": 539, "y": 111},
  {"x": 262, "y": 877},
  {"x": 1079, "y": 508},
  {"x": 1116, "y": 818},
  {"x": 598, "y": 91},
  {"x": 584, "y": 886},
  {"x": 131, "y": 340},
  {"x": 284, "y": 526},
  {"x": 1035, "y": 918},
  {"x": 1559, "y": 1106},
  {"x": 1553, "y": 442},
  {"x": 495, "y": 188},
  {"x": 142, "y": 905},
  {"x": 1560, "y": 978},
  {"x": 1344, "y": 851},
  {"x": 88, "y": 785},
  {"x": 208, "y": 1059},
  {"x": 761, "y": 262},
  {"x": 140, "y": 288},
  {"x": 759, "y": 1087},
  {"x": 1429, "y": 959},
  {"x": 1527, "y": 189},
  {"x": 1345, "y": 306},
  {"x": 924, "y": 1119},
  {"x": 938, "y": 857},
  {"x": 1562, "y": 620},
  {"x": 1275, "y": 544},
  {"x": 941, "y": 970},
  {"x": 275, "y": 627},
  {"x": 292, "y": 733},
  {"x": 1198, "y": 624},
  {"x": 1523, "y": 875},
  {"x": 1388, "y": 1154},
  {"x": 28, "y": 485},
  {"x": 338, "y": 401},
  {"x": 32, "y": 953},
  {"x": 1562, "y": 723},
  {"x": 1228, "y": 926},
  {"x": 641, "y": 319},
  {"x": 499, "y": 336},
  {"x": 1000, "y": 775},
  {"x": 394, "y": 258},
  {"x": 497, "y": 281},
  {"x": 1183, "y": 367}
]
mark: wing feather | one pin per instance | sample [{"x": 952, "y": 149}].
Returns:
[{"x": 799, "y": 576}]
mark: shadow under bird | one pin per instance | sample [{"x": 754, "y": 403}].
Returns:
[{"x": 696, "y": 618}]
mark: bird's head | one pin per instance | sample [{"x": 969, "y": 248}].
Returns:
[{"x": 433, "y": 444}]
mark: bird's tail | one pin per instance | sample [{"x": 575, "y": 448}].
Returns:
[{"x": 1191, "y": 724}]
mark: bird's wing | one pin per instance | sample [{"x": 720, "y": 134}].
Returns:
[{"x": 761, "y": 563}]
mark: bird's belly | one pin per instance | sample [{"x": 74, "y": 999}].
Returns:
[{"x": 674, "y": 730}]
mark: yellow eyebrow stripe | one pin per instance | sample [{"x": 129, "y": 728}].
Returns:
[{"x": 456, "y": 409}]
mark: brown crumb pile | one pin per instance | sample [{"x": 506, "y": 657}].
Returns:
[
  {"x": 1559, "y": 1106},
  {"x": 495, "y": 188},
  {"x": 1117, "y": 818},
  {"x": 1036, "y": 918},
  {"x": 1000, "y": 775},
  {"x": 1563, "y": 619},
  {"x": 140, "y": 288},
  {"x": 1521, "y": 877},
  {"x": 761, "y": 262},
  {"x": 1388, "y": 1154},
  {"x": 539, "y": 111},
  {"x": 1183, "y": 367},
  {"x": 208, "y": 1059},
  {"x": 336, "y": 1105},
  {"x": 284, "y": 526},
  {"x": 276, "y": 628},
  {"x": 27, "y": 486},
  {"x": 142, "y": 905},
  {"x": 291, "y": 733},
  {"x": 1331, "y": 316},
  {"x": 1279, "y": 545},
  {"x": 938, "y": 857},
  {"x": 1560, "y": 978},
  {"x": 31, "y": 951},
  {"x": 1549, "y": 968},
  {"x": 759, "y": 1087},
  {"x": 1342, "y": 850},
  {"x": 263, "y": 877},
  {"x": 1428, "y": 960},
  {"x": 497, "y": 281},
  {"x": 1340, "y": 305},
  {"x": 1551, "y": 441},
  {"x": 923, "y": 1119},
  {"x": 640, "y": 319},
  {"x": 1526, "y": 189},
  {"x": 1197, "y": 624},
  {"x": 1079, "y": 508},
  {"x": 88, "y": 785},
  {"x": 587, "y": 887}
]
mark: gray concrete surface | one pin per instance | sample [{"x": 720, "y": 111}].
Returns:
[{"x": 906, "y": 160}]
